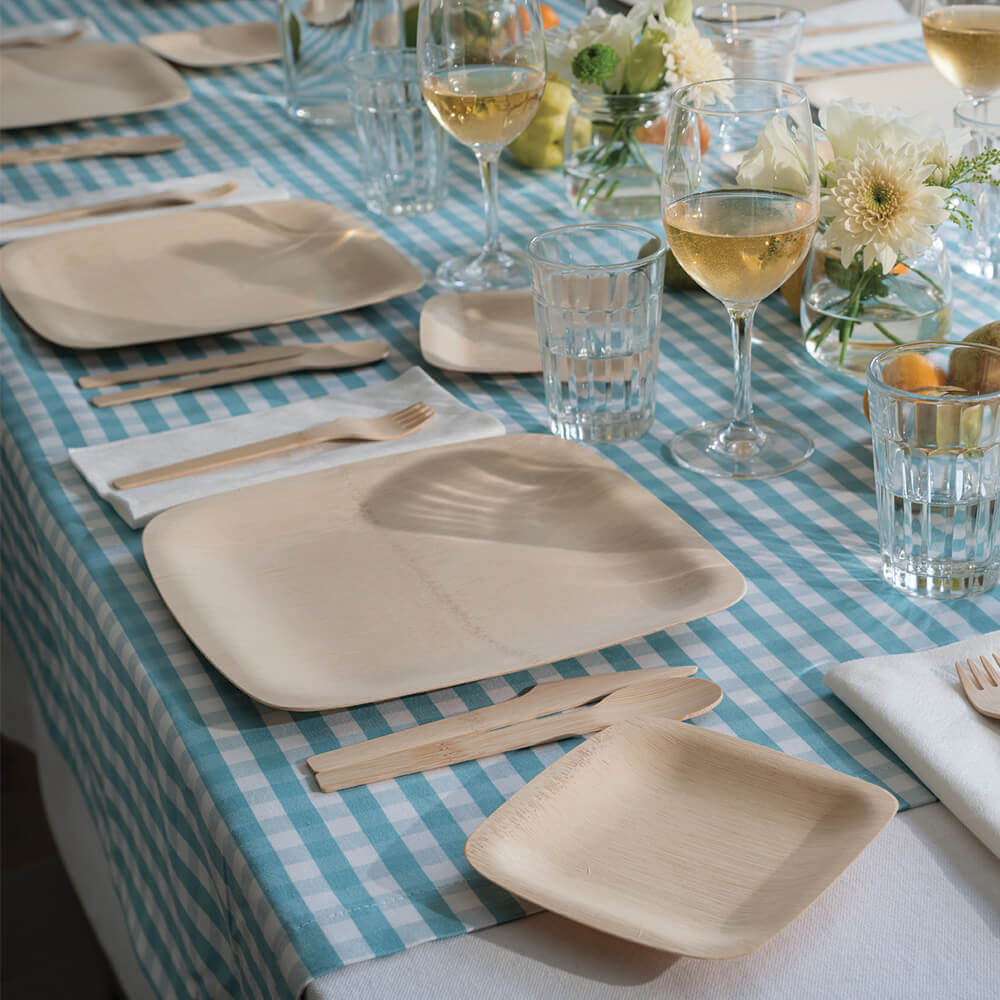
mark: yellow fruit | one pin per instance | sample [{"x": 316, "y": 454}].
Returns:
[
  {"x": 540, "y": 145},
  {"x": 913, "y": 372}
]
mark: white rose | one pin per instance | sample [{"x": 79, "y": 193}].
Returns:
[
  {"x": 846, "y": 124},
  {"x": 775, "y": 163}
]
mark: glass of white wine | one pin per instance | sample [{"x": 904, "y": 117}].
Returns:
[
  {"x": 963, "y": 42},
  {"x": 740, "y": 234},
  {"x": 482, "y": 73}
]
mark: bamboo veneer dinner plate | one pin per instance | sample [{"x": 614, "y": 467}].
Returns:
[
  {"x": 209, "y": 270},
  {"x": 64, "y": 83},
  {"x": 422, "y": 570},
  {"x": 218, "y": 45},
  {"x": 487, "y": 332},
  {"x": 678, "y": 837}
]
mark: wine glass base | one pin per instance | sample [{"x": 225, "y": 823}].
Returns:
[
  {"x": 710, "y": 450},
  {"x": 484, "y": 271}
]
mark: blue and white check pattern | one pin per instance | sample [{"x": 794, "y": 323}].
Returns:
[{"x": 236, "y": 877}]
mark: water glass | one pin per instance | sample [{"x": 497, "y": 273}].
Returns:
[
  {"x": 936, "y": 448},
  {"x": 598, "y": 293},
  {"x": 317, "y": 36},
  {"x": 403, "y": 150},
  {"x": 758, "y": 40},
  {"x": 979, "y": 247}
]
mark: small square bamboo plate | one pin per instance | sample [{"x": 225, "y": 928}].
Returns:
[
  {"x": 218, "y": 45},
  {"x": 679, "y": 838}
]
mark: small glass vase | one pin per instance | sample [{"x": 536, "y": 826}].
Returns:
[
  {"x": 613, "y": 152},
  {"x": 849, "y": 314}
]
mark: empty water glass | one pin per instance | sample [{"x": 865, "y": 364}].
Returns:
[
  {"x": 979, "y": 247},
  {"x": 758, "y": 40},
  {"x": 404, "y": 153},
  {"x": 598, "y": 292},
  {"x": 936, "y": 449},
  {"x": 317, "y": 36}
]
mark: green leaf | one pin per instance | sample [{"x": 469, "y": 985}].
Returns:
[
  {"x": 842, "y": 277},
  {"x": 295, "y": 35}
]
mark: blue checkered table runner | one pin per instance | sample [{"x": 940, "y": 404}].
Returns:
[{"x": 235, "y": 876}]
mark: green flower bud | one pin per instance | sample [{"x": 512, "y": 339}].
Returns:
[{"x": 595, "y": 63}]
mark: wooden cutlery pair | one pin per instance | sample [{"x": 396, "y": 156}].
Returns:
[{"x": 524, "y": 721}]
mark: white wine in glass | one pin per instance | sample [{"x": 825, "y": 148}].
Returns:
[
  {"x": 963, "y": 42},
  {"x": 482, "y": 73},
  {"x": 740, "y": 241}
]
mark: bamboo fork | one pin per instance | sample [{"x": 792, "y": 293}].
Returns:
[
  {"x": 385, "y": 428},
  {"x": 982, "y": 685},
  {"x": 807, "y": 74}
]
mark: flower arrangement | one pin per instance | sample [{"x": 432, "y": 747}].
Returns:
[
  {"x": 653, "y": 48},
  {"x": 887, "y": 184}
]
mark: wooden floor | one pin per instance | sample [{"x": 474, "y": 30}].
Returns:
[{"x": 40, "y": 916}]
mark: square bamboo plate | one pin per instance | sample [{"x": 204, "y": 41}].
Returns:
[
  {"x": 65, "y": 83},
  {"x": 488, "y": 332},
  {"x": 679, "y": 838},
  {"x": 427, "y": 569},
  {"x": 218, "y": 45},
  {"x": 192, "y": 272}
]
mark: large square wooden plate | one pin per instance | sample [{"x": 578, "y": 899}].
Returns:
[
  {"x": 209, "y": 270},
  {"x": 65, "y": 83},
  {"x": 679, "y": 838},
  {"x": 423, "y": 570}
]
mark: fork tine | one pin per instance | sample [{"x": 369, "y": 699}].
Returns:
[
  {"x": 975, "y": 674},
  {"x": 965, "y": 681},
  {"x": 994, "y": 680}
]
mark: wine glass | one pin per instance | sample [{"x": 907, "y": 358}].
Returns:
[
  {"x": 482, "y": 73},
  {"x": 963, "y": 42},
  {"x": 740, "y": 237}
]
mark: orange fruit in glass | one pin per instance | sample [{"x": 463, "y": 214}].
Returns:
[{"x": 913, "y": 372}]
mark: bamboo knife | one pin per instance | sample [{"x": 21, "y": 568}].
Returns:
[
  {"x": 679, "y": 698},
  {"x": 111, "y": 145},
  {"x": 543, "y": 699}
]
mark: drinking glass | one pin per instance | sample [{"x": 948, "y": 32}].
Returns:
[
  {"x": 598, "y": 292},
  {"x": 936, "y": 450},
  {"x": 758, "y": 40},
  {"x": 979, "y": 247},
  {"x": 482, "y": 72},
  {"x": 403, "y": 150},
  {"x": 963, "y": 42},
  {"x": 740, "y": 238},
  {"x": 317, "y": 36}
]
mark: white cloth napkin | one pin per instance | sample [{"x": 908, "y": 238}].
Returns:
[
  {"x": 100, "y": 464},
  {"x": 907, "y": 26},
  {"x": 914, "y": 702},
  {"x": 251, "y": 188},
  {"x": 53, "y": 29}
]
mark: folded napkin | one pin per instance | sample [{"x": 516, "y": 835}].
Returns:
[
  {"x": 914, "y": 702},
  {"x": 906, "y": 25},
  {"x": 102, "y": 463},
  {"x": 54, "y": 29},
  {"x": 251, "y": 188}
]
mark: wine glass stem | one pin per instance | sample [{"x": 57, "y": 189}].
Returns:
[
  {"x": 488, "y": 173},
  {"x": 741, "y": 432}
]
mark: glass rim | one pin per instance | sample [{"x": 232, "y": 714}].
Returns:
[
  {"x": 971, "y": 103},
  {"x": 789, "y": 15},
  {"x": 874, "y": 382},
  {"x": 357, "y": 60},
  {"x": 679, "y": 97},
  {"x": 582, "y": 268}
]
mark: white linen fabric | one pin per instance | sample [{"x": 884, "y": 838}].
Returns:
[
  {"x": 251, "y": 188},
  {"x": 914, "y": 702},
  {"x": 100, "y": 464}
]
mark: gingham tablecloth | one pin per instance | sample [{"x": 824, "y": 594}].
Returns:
[{"x": 235, "y": 876}]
